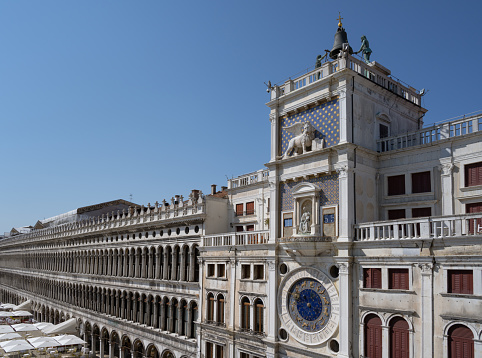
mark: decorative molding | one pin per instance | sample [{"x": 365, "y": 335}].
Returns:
[{"x": 447, "y": 169}]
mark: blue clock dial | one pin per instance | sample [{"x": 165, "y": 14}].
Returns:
[{"x": 309, "y": 304}]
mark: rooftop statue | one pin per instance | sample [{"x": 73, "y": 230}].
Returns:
[
  {"x": 304, "y": 134},
  {"x": 365, "y": 49}
]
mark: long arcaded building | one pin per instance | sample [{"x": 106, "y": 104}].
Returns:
[{"x": 361, "y": 237}]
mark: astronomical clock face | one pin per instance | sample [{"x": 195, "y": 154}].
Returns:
[{"x": 309, "y": 306}]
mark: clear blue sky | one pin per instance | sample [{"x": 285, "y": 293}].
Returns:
[{"x": 102, "y": 99}]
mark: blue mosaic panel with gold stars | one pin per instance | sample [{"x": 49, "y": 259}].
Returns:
[
  {"x": 325, "y": 118},
  {"x": 328, "y": 195}
]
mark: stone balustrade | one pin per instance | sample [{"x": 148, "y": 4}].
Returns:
[
  {"x": 372, "y": 71},
  {"x": 421, "y": 228},
  {"x": 236, "y": 238},
  {"x": 116, "y": 220},
  {"x": 248, "y": 179},
  {"x": 449, "y": 129}
]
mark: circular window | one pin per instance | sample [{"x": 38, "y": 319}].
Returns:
[
  {"x": 334, "y": 345},
  {"x": 283, "y": 269},
  {"x": 196, "y": 229},
  {"x": 161, "y": 233},
  {"x": 186, "y": 230},
  {"x": 334, "y": 271},
  {"x": 178, "y": 231},
  {"x": 169, "y": 232},
  {"x": 283, "y": 335}
]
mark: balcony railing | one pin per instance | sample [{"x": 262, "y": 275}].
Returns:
[
  {"x": 244, "y": 213},
  {"x": 421, "y": 228},
  {"x": 449, "y": 129},
  {"x": 248, "y": 179},
  {"x": 237, "y": 238}
]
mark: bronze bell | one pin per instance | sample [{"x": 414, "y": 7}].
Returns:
[{"x": 340, "y": 39}]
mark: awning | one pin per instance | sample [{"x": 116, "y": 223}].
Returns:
[
  {"x": 23, "y": 306},
  {"x": 69, "y": 340},
  {"x": 6, "y": 329},
  {"x": 9, "y": 336},
  {"x": 44, "y": 342},
  {"x": 24, "y": 327},
  {"x": 68, "y": 326},
  {"x": 16, "y": 345}
]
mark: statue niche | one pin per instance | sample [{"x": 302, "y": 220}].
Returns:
[
  {"x": 305, "y": 219},
  {"x": 304, "y": 134}
]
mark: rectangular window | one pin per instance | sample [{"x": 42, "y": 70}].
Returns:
[
  {"x": 258, "y": 272},
  {"x": 239, "y": 229},
  {"x": 472, "y": 209},
  {"x": 383, "y": 131},
  {"x": 209, "y": 350},
  {"x": 421, "y": 212},
  {"x": 249, "y": 227},
  {"x": 288, "y": 222},
  {"x": 250, "y": 208},
  {"x": 473, "y": 174},
  {"x": 221, "y": 270},
  {"x": 461, "y": 281},
  {"x": 245, "y": 271},
  {"x": 268, "y": 204},
  {"x": 239, "y": 209},
  {"x": 211, "y": 270},
  {"x": 396, "y": 214},
  {"x": 396, "y": 185},
  {"x": 421, "y": 182},
  {"x": 219, "y": 351},
  {"x": 398, "y": 279},
  {"x": 243, "y": 355},
  {"x": 372, "y": 277}
]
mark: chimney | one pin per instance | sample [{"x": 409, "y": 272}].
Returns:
[
  {"x": 224, "y": 188},
  {"x": 213, "y": 189},
  {"x": 195, "y": 194}
]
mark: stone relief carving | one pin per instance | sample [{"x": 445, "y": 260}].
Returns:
[
  {"x": 447, "y": 169},
  {"x": 426, "y": 268},
  {"x": 305, "y": 219},
  {"x": 304, "y": 133},
  {"x": 342, "y": 171},
  {"x": 343, "y": 267}
]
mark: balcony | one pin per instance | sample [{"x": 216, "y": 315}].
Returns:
[
  {"x": 441, "y": 227},
  {"x": 450, "y": 129},
  {"x": 249, "y": 179},
  {"x": 236, "y": 238}
]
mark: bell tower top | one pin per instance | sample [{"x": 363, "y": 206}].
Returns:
[{"x": 339, "y": 20}]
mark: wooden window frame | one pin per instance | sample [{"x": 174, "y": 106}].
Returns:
[
  {"x": 399, "y": 279},
  {"x": 460, "y": 281},
  {"x": 372, "y": 277},
  {"x": 394, "y": 186}
]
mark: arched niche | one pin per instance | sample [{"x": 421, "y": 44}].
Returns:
[{"x": 306, "y": 214}]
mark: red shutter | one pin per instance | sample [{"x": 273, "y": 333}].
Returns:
[
  {"x": 398, "y": 279},
  {"x": 421, "y": 212},
  {"x": 377, "y": 278},
  {"x": 461, "y": 281},
  {"x": 239, "y": 209},
  {"x": 461, "y": 342},
  {"x": 473, "y": 174},
  {"x": 399, "y": 337},
  {"x": 373, "y": 337},
  {"x": 367, "y": 273},
  {"x": 472, "y": 209},
  {"x": 396, "y": 214},
  {"x": 250, "y": 208}
]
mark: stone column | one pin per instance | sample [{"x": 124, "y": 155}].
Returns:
[
  {"x": 119, "y": 263},
  {"x": 182, "y": 274},
  {"x": 150, "y": 265},
  {"x": 126, "y": 263},
  {"x": 163, "y": 316},
  {"x": 189, "y": 322},
  {"x": 166, "y": 259},
  {"x": 171, "y": 318},
  {"x": 346, "y": 202},
  {"x": 117, "y": 304},
  {"x": 135, "y": 316},
  {"x": 142, "y": 303},
  {"x": 346, "y": 318},
  {"x": 179, "y": 319},
  {"x": 272, "y": 328},
  {"x": 101, "y": 349},
  {"x": 137, "y": 273},
  {"x": 123, "y": 307},
  {"x": 447, "y": 189},
  {"x": 155, "y": 322},
  {"x": 111, "y": 350},
  {"x": 385, "y": 341},
  {"x": 192, "y": 264},
  {"x": 143, "y": 265},
  {"x": 477, "y": 348},
  {"x": 427, "y": 309},
  {"x": 93, "y": 348},
  {"x": 132, "y": 265},
  {"x": 174, "y": 266},
  {"x": 158, "y": 265},
  {"x": 129, "y": 306}
]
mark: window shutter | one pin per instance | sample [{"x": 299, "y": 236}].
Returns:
[
  {"x": 250, "y": 208},
  {"x": 368, "y": 278},
  {"x": 396, "y": 185},
  {"x": 239, "y": 209},
  {"x": 377, "y": 278}
]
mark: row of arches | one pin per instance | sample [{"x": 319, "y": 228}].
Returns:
[{"x": 168, "y": 262}]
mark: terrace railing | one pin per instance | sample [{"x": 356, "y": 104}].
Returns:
[{"x": 237, "y": 238}]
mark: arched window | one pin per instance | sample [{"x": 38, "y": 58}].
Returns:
[
  {"x": 461, "y": 342},
  {"x": 373, "y": 336},
  {"x": 210, "y": 308},
  {"x": 195, "y": 316},
  {"x": 220, "y": 313},
  {"x": 245, "y": 305},
  {"x": 399, "y": 338},
  {"x": 258, "y": 316}
]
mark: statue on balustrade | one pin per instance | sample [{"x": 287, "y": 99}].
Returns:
[{"x": 365, "y": 49}]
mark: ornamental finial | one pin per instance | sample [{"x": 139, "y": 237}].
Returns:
[{"x": 339, "y": 19}]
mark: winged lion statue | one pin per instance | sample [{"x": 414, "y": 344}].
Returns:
[{"x": 304, "y": 133}]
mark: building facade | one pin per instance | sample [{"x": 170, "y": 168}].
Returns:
[{"x": 360, "y": 238}]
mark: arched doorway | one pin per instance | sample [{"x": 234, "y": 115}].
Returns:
[
  {"x": 138, "y": 349},
  {"x": 373, "y": 336},
  {"x": 126, "y": 347},
  {"x": 461, "y": 342},
  {"x": 399, "y": 338},
  {"x": 152, "y": 352}
]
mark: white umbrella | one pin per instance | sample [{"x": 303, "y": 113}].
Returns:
[
  {"x": 43, "y": 325},
  {"x": 6, "y": 329},
  {"x": 12, "y": 342},
  {"x": 8, "y": 305},
  {"x": 44, "y": 342},
  {"x": 6, "y": 314},
  {"x": 24, "y": 327},
  {"x": 8, "y": 336},
  {"x": 18, "y": 345},
  {"x": 69, "y": 340},
  {"x": 22, "y": 314}
]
